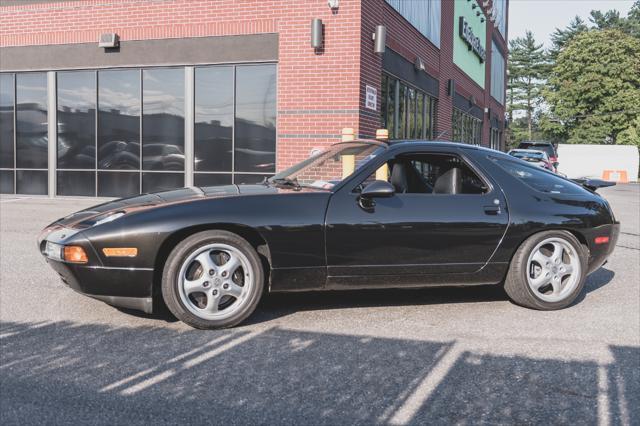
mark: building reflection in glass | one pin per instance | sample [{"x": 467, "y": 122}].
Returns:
[
  {"x": 76, "y": 120},
  {"x": 31, "y": 121},
  {"x": 163, "y": 119},
  {"x": 119, "y": 119}
]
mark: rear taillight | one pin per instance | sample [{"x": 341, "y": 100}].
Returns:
[{"x": 601, "y": 240}]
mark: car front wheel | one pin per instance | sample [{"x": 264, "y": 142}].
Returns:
[
  {"x": 547, "y": 271},
  {"x": 212, "y": 279}
]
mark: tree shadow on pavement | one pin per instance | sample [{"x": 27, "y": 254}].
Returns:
[{"x": 64, "y": 373}]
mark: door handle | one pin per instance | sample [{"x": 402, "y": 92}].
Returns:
[{"x": 492, "y": 210}]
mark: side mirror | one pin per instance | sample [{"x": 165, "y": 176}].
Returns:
[{"x": 376, "y": 189}]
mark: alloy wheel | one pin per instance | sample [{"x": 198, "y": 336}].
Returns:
[
  {"x": 553, "y": 269},
  {"x": 215, "y": 281}
]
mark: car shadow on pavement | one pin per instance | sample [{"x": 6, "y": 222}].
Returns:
[
  {"x": 594, "y": 282},
  {"x": 276, "y": 305},
  {"x": 66, "y": 373}
]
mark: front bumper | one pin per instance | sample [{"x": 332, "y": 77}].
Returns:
[
  {"x": 129, "y": 288},
  {"x": 122, "y": 287}
]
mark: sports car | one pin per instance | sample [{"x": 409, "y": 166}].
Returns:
[{"x": 357, "y": 215}]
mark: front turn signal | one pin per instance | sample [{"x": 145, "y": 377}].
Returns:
[{"x": 75, "y": 254}]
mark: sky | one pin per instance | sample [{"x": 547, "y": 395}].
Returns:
[{"x": 542, "y": 17}]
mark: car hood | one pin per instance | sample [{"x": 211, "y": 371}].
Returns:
[{"x": 91, "y": 216}]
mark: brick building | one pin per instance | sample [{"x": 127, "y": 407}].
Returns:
[{"x": 201, "y": 92}]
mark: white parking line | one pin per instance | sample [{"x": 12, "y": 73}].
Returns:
[
  {"x": 428, "y": 385},
  {"x": 603, "y": 396}
]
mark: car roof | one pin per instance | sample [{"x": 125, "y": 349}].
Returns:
[
  {"x": 422, "y": 143},
  {"x": 397, "y": 144},
  {"x": 536, "y": 143},
  {"x": 532, "y": 151}
]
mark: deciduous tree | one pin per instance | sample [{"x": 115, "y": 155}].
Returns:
[{"x": 594, "y": 89}]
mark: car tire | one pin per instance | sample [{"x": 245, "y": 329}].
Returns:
[
  {"x": 536, "y": 279},
  {"x": 201, "y": 294}
]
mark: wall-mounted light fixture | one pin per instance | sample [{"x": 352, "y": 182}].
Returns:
[
  {"x": 419, "y": 64},
  {"x": 109, "y": 40},
  {"x": 380, "y": 39},
  {"x": 316, "y": 33},
  {"x": 334, "y": 4}
]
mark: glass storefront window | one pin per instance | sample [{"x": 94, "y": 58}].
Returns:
[
  {"x": 255, "y": 121},
  {"x": 466, "y": 128},
  {"x": 7, "y": 105},
  {"x": 7, "y": 158},
  {"x": 390, "y": 106},
  {"x": 406, "y": 111},
  {"x": 496, "y": 139},
  {"x": 163, "y": 120},
  {"x": 31, "y": 121},
  {"x": 411, "y": 113},
  {"x": 76, "y": 183},
  {"x": 213, "y": 143},
  {"x": 119, "y": 119},
  {"x": 76, "y": 120},
  {"x": 122, "y": 131},
  {"x": 424, "y": 15},
  {"x": 118, "y": 184}
]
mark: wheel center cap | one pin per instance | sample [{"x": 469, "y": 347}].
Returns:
[
  {"x": 217, "y": 282},
  {"x": 554, "y": 269}
]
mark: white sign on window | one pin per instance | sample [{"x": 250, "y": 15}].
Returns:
[{"x": 371, "y": 100}]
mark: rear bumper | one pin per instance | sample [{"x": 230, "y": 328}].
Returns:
[
  {"x": 129, "y": 288},
  {"x": 599, "y": 253}
]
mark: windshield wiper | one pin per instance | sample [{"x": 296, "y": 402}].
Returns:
[{"x": 287, "y": 182}]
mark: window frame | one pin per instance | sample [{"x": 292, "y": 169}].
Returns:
[{"x": 384, "y": 158}]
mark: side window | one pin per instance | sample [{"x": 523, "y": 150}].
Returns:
[
  {"x": 430, "y": 174},
  {"x": 537, "y": 178}
]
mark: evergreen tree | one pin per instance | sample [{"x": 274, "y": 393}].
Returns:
[
  {"x": 527, "y": 70},
  {"x": 633, "y": 20},
  {"x": 560, "y": 38}
]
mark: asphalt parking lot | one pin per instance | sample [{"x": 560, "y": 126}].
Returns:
[{"x": 433, "y": 356}]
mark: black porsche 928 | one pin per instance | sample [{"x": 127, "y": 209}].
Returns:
[{"x": 359, "y": 215}]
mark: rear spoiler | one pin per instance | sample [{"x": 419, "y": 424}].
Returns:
[{"x": 593, "y": 184}]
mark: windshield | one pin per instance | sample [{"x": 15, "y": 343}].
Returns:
[{"x": 328, "y": 168}]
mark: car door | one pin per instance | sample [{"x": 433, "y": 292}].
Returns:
[{"x": 414, "y": 238}]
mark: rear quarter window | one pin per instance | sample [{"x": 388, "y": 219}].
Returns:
[{"x": 536, "y": 178}]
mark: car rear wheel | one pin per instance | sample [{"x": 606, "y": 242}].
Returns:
[
  {"x": 547, "y": 271},
  {"x": 212, "y": 279}
]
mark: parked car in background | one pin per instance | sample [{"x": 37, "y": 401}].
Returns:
[
  {"x": 545, "y": 146},
  {"x": 539, "y": 158}
]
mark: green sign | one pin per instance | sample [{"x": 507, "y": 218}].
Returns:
[{"x": 470, "y": 39}]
